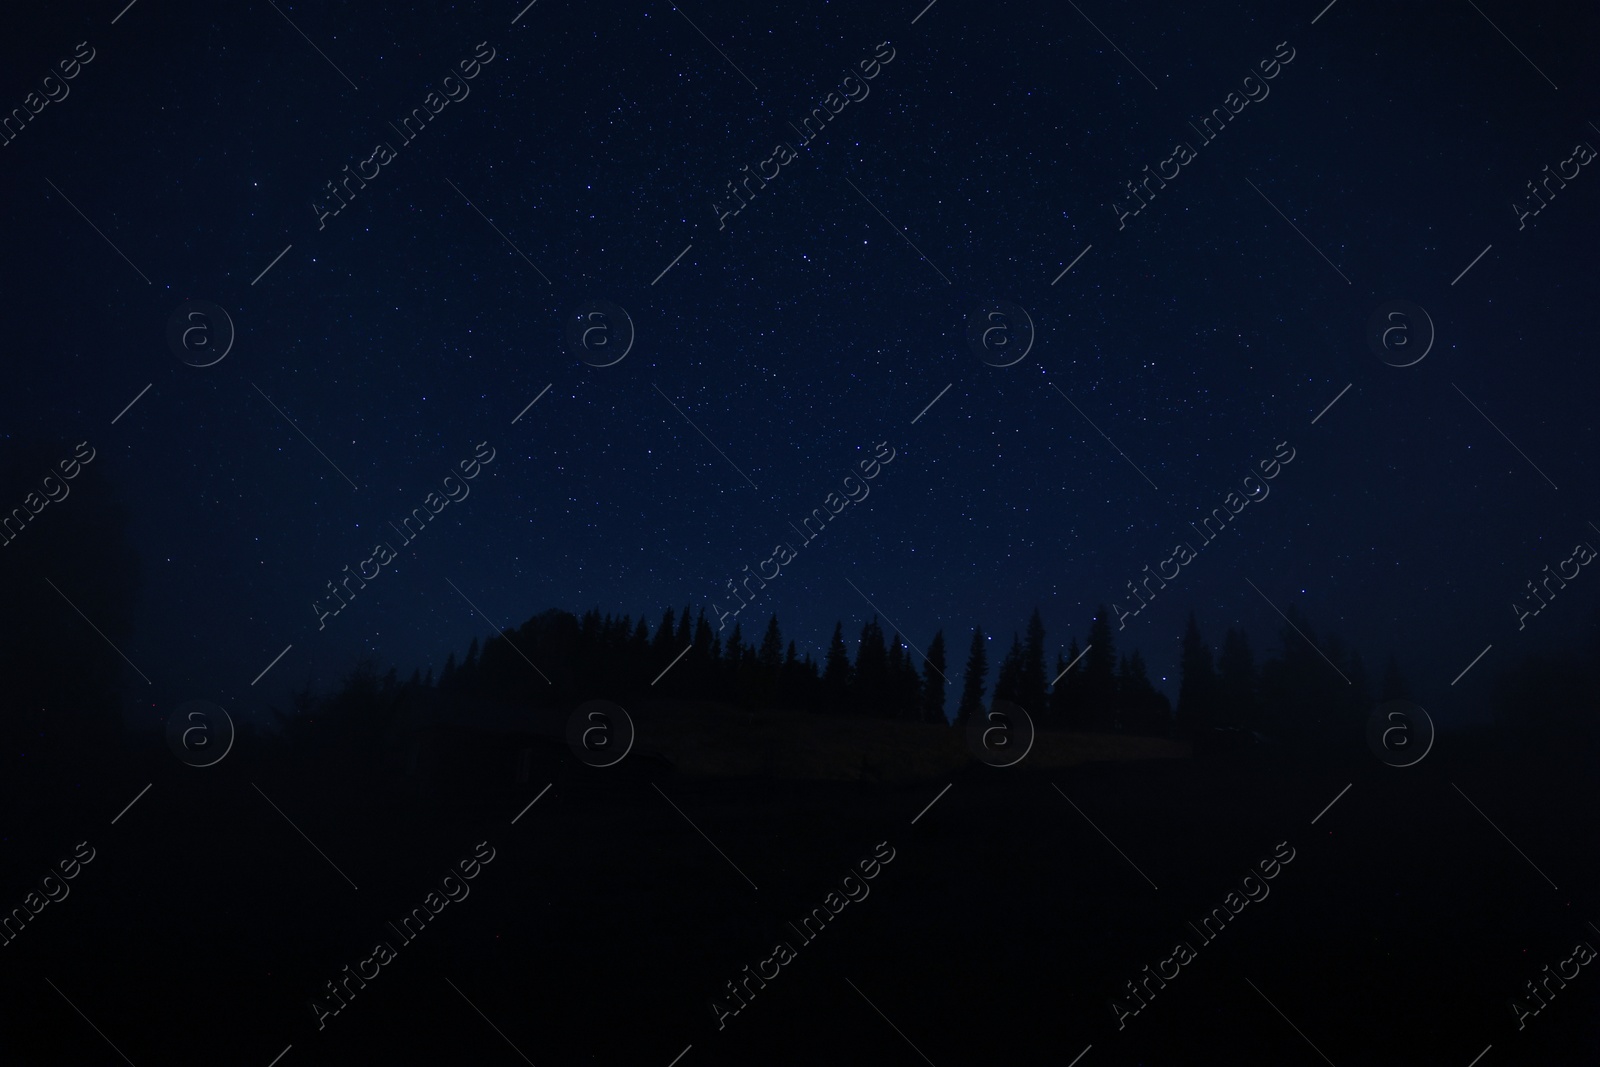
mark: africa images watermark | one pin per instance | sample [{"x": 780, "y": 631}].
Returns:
[
  {"x": 1209, "y": 930},
  {"x": 1582, "y": 154},
  {"x": 34, "y": 503},
  {"x": 384, "y": 153},
  {"x": 12, "y": 125},
  {"x": 1582, "y": 954},
  {"x": 1183, "y": 553},
  {"x": 1183, "y": 154},
  {"x": 1582, "y": 555},
  {"x": 784, "y": 553},
  {"x": 384, "y": 953},
  {"x": 854, "y": 889},
  {"x": 383, "y": 553},
  {"x": 36, "y": 901},
  {"x": 784, "y": 154}
]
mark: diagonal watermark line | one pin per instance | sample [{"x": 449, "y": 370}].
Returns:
[
  {"x": 1102, "y": 433},
  {"x": 121, "y": 13},
  {"x": 496, "y": 229},
  {"x": 680, "y": 1056},
  {"x": 280, "y": 1056},
  {"x": 501, "y": 632},
  {"x": 1074, "y": 263},
  {"x": 709, "y": 441},
  {"x": 490, "y": 1021},
  {"x": 1286, "y": 1019},
  {"x": 674, "y": 262},
  {"x": 1102, "y": 833},
  {"x": 1474, "y": 663},
  {"x": 532, "y": 402},
  {"x": 896, "y": 229},
  {"x": 1331, "y": 803},
  {"x": 702, "y": 833},
  {"x": 1502, "y": 433},
  {"x": 90, "y": 1021},
  {"x": 524, "y": 11},
  {"x": 924, "y": 11},
  {"x": 1073, "y": 664},
  {"x": 1513, "y": 44},
  {"x": 99, "y": 631},
  {"x": 1303, "y": 237},
  {"x": 274, "y": 263},
  {"x": 890, "y": 1021},
  {"x": 1301, "y": 632},
  {"x": 898, "y": 632},
  {"x": 1324, "y": 11},
  {"x": 1502, "y": 833},
  {"x": 313, "y": 44},
  {"x": 1474, "y": 263},
  {"x": 132, "y": 402},
  {"x": 97, "y": 229},
  {"x": 1480, "y": 1056},
  {"x": 1113, "y": 44},
  {"x": 932, "y": 402},
  {"x": 273, "y": 664},
  {"x": 302, "y": 433},
  {"x": 674, "y": 662},
  {"x": 302, "y": 833},
  {"x": 931, "y": 803},
  {"x": 713, "y": 44},
  {"x": 131, "y": 803},
  {"x": 1332, "y": 402},
  {"x": 532, "y": 802},
  {"x": 1080, "y": 1056}
]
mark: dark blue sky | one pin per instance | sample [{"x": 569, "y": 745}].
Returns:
[{"x": 1215, "y": 324}]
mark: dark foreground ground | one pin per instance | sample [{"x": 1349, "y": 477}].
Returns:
[{"x": 1398, "y": 934}]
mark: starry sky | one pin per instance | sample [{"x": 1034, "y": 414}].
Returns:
[{"x": 589, "y": 160}]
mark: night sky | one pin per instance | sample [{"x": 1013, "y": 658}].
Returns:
[{"x": 589, "y": 159}]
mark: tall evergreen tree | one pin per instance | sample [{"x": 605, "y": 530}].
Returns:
[
  {"x": 836, "y": 673},
  {"x": 1066, "y": 696},
  {"x": 896, "y": 666},
  {"x": 733, "y": 665},
  {"x": 1032, "y": 683},
  {"x": 467, "y": 673},
  {"x": 1099, "y": 685},
  {"x": 1197, "y": 685},
  {"x": 872, "y": 671},
  {"x": 972, "y": 687},
  {"x": 1008, "y": 683},
  {"x": 661, "y": 649},
  {"x": 933, "y": 682},
  {"x": 769, "y": 660}
]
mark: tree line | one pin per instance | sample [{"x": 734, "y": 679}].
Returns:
[{"x": 1308, "y": 688}]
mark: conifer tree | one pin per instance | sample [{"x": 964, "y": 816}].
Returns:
[
  {"x": 972, "y": 687},
  {"x": 933, "y": 682}
]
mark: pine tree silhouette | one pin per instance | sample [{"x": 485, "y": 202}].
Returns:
[
  {"x": 1032, "y": 683},
  {"x": 836, "y": 674},
  {"x": 933, "y": 682},
  {"x": 1197, "y": 686},
  {"x": 972, "y": 687}
]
